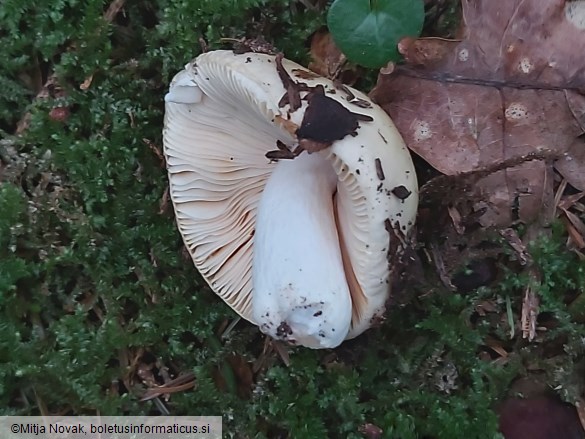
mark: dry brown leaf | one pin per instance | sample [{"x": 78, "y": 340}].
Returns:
[
  {"x": 423, "y": 51},
  {"x": 511, "y": 86},
  {"x": 496, "y": 346},
  {"x": 244, "y": 375},
  {"x": 327, "y": 60},
  {"x": 572, "y": 164},
  {"x": 236, "y": 374}
]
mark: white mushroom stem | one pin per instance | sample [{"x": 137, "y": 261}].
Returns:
[{"x": 300, "y": 290}]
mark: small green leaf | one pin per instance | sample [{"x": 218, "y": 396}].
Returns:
[{"x": 368, "y": 31}]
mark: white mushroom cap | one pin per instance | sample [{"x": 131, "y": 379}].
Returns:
[{"x": 222, "y": 117}]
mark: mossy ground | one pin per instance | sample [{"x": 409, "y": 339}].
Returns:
[{"x": 98, "y": 301}]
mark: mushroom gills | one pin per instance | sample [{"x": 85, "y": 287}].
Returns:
[{"x": 300, "y": 293}]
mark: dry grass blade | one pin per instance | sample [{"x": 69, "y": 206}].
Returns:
[
  {"x": 559, "y": 193},
  {"x": 510, "y": 317},
  {"x": 575, "y": 221},
  {"x": 129, "y": 361},
  {"x": 225, "y": 333},
  {"x": 263, "y": 357},
  {"x": 162, "y": 408},
  {"x": 529, "y": 313},
  {"x": 496, "y": 346},
  {"x": 570, "y": 200},
  {"x": 179, "y": 384},
  {"x": 576, "y": 230},
  {"x": 165, "y": 201}
]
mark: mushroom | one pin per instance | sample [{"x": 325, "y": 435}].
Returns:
[{"x": 284, "y": 214}]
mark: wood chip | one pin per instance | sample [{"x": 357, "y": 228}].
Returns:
[
  {"x": 379, "y": 170},
  {"x": 401, "y": 192}
]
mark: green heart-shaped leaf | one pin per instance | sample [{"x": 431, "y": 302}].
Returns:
[{"x": 368, "y": 31}]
